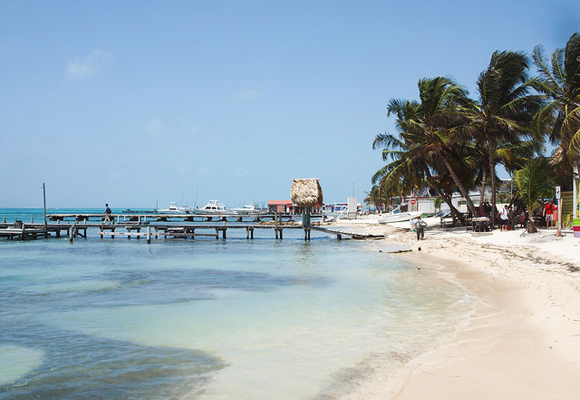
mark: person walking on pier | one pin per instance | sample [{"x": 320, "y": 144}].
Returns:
[{"x": 107, "y": 214}]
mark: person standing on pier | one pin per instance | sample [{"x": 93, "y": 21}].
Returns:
[{"x": 107, "y": 214}]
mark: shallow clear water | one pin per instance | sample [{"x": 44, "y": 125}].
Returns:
[{"x": 209, "y": 319}]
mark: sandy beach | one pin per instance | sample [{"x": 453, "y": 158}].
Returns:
[{"x": 523, "y": 340}]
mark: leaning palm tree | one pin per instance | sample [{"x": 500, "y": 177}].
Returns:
[
  {"x": 534, "y": 183},
  {"x": 442, "y": 115},
  {"x": 410, "y": 164},
  {"x": 503, "y": 116}
]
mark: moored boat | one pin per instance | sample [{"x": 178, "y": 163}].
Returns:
[
  {"x": 247, "y": 209},
  {"x": 212, "y": 208},
  {"x": 174, "y": 209}
]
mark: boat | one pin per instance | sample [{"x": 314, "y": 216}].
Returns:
[
  {"x": 247, "y": 209},
  {"x": 174, "y": 209},
  {"x": 398, "y": 216},
  {"x": 212, "y": 208}
]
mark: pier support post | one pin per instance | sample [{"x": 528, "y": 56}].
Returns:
[
  {"x": 148, "y": 235},
  {"x": 278, "y": 233}
]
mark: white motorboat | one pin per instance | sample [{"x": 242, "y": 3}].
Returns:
[
  {"x": 247, "y": 209},
  {"x": 212, "y": 208},
  {"x": 398, "y": 216},
  {"x": 173, "y": 209}
]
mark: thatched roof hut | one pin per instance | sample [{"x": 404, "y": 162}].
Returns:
[{"x": 306, "y": 192}]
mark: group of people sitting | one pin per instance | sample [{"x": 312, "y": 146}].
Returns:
[{"x": 507, "y": 218}]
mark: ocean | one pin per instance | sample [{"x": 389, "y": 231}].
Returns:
[{"x": 212, "y": 319}]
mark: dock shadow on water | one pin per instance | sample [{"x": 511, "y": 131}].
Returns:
[{"x": 208, "y": 319}]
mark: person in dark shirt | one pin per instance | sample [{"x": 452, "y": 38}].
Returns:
[{"x": 107, "y": 214}]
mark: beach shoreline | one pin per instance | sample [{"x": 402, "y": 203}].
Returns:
[{"x": 523, "y": 339}]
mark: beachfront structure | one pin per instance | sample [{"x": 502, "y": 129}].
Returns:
[
  {"x": 288, "y": 207},
  {"x": 427, "y": 204}
]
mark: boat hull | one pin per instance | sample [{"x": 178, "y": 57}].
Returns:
[{"x": 398, "y": 217}]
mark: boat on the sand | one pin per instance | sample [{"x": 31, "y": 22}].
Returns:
[{"x": 398, "y": 216}]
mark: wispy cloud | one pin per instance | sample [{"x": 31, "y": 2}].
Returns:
[
  {"x": 249, "y": 94},
  {"x": 92, "y": 63},
  {"x": 156, "y": 126}
]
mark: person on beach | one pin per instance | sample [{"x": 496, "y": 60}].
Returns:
[
  {"x": 504, "y": 218},
  {"x": 420, "y": 228},
  {"x": 107, "y": 214},
  {"x": 487, "y": 208},
  {"x": 549, "y": 213}
]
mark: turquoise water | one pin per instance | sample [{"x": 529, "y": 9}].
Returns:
[{"x": 210, "y": 319}]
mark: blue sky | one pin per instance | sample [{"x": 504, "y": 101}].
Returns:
[{"x": 136, "y": 103}]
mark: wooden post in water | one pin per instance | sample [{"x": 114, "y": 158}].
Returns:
[
  {"x": 148, "y": 234},
  {"x": 44, "y": 198}
]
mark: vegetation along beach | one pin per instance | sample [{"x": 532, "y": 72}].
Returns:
[{"x": 414, "y": 225}]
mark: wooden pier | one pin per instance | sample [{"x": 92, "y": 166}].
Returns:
[
  {"x": 79, "y": 225},
  {"x": 342, "y": 232},
  {"x": 19, "y": 230},
  {"x": 189, "y": 217}
]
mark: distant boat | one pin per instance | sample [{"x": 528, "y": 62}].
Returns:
[
  {"x": 398, "y": 216},
  {"x": 212, "y": 208},
  {"x": 247, "y": 209},
  {"x": 174, "y": 209}
]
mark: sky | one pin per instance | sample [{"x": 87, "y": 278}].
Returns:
[{"x": 141, "y": 103}]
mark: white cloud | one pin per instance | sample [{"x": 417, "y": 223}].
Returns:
[
  {"x": 156, "y": 126},
  {"x": 94, "y": 62},
  {"x": 249, "y": 94}
]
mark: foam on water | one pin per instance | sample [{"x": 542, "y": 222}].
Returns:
[{"x": 211, "y": 319}]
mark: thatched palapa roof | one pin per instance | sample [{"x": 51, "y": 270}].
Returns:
[{"x": 306, "y": 192}]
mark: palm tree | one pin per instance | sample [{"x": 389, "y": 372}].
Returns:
[
  {"x": 559, "y": 82},
  {"x": 404, "y": 171},
  {"x": 505, "y": 111},
  {"x": 428, "y": 141},
  {"x": 534, "y": 183},
  {"x": 376, "y": 197},
  {"x": 442, "y": 114}
]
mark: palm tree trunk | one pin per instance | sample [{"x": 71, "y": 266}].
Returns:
[
  {"x": 460, "y": 186},
  {"x": 483, "y": 181},
  {"x": 445, "y": 197},
  {"x": 531, "y": 226},
  {"x": 493, "y": 181}
]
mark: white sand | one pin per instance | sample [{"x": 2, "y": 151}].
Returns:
[{"x": 523, "y": 342}]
